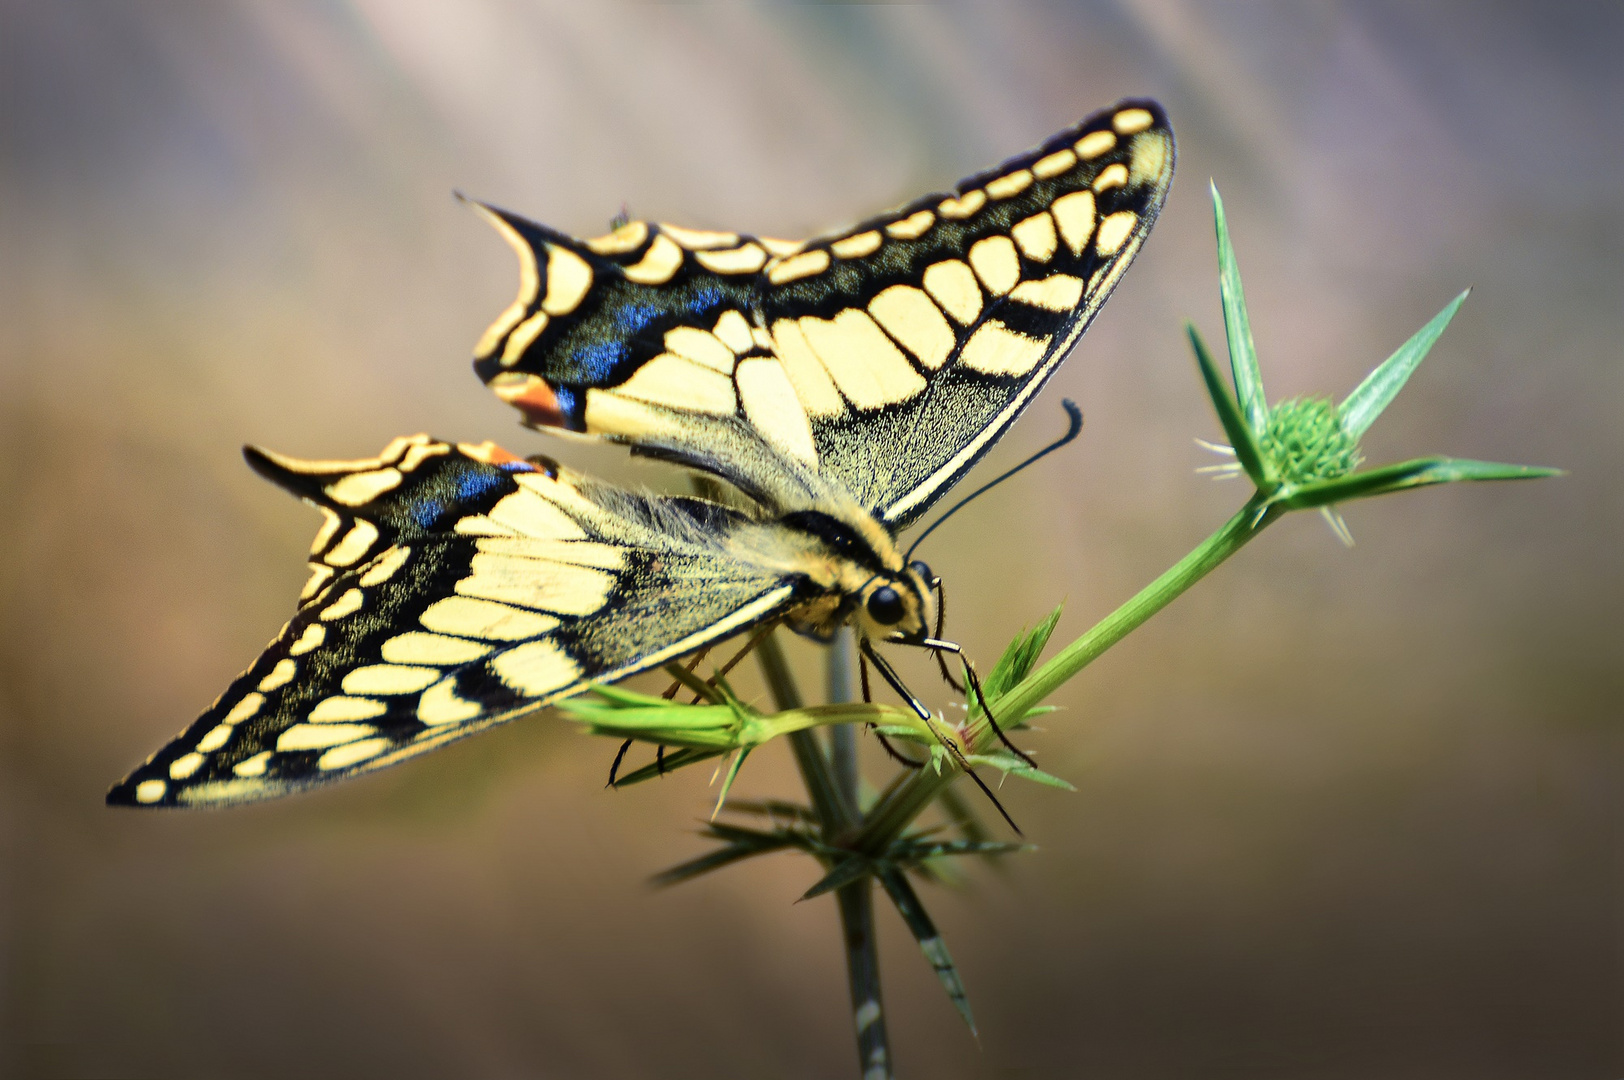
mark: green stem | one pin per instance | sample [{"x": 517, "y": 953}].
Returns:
[
  {"x": 903, "y": 803},
  {"x": 834, "y": 800}
]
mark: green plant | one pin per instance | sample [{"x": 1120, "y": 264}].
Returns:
[{"x": 1299, "y": 454}]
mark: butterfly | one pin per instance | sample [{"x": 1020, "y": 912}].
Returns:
[{"x": 839, "y": 387}]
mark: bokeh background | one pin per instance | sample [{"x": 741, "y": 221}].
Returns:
[{"x": 1342, "y": 813}]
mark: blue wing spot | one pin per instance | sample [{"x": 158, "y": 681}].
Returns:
[
  {"x": 569, "y": 403},
  {"x": 632, "y": 318},
  {"x": 597, "y": 363},
  {"x": 427, "y": 513},
  {"x": 704, "y": 298},
  {"x": 471, "y": 485}
]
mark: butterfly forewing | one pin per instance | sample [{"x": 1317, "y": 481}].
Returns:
[
  {"x": 881, "y": 362},
  {"x": 454, "y": 587}
]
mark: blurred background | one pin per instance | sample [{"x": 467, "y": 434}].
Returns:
[{"x": 1342, "y": 812}]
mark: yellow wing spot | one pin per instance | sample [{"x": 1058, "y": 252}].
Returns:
[
  {"x": 679, "y": 383},
  {"x": 416, "y": 647},
  {"x": 387, "y": 680},
  {"x": 348, "y": 604},
  {"x": 419, "y": 454},
  {"x": 557, "y": 492},
  {"x": 529, "y": 514},
  {"x": 385, "y": 566},
  {"x": 537, "y": 584},
  {"x": 731, "y": 330},
  {"x": 1149, "y": 158},
  {"x": 319, "y": 573},
  {"x": 479, "y": 525},
  {"x": 523, "y": 337},
  {"x": 245, "y": 708},
  {"x": 279, "y": 676},
  {"x": 995, "y": 349},
  {"x": 568, "y": 279},
  {"x": 780, "y": 248},
  {"x": 699, "y": 239},
  {"x": 1094, "y": 144},
  {"x": 964, "y": 205},
  {"x": 855, "y": 247},
  {"x": 952, "y": 285},
  {"x": 762, "y": 339},
  {"x": 913, "y": 226},
  {"x": 321, "y": 736},
  {"x": 869, "y": 370},
  {"x": 340, "y": 709},
  {"x": 529, "y": 283},
  {"x": 1057, "y": 292},
  {"x": 254, "y": 766},
  {"x": 911, "y": 317},
  {"x": 441, "y": 705},
  {"x": 329, "y": 527},
  {"x": 701, "y": 346},
  {"x": 1114, "y": 175},
  {"x": 1075, "y": 213},
  {"x": 577, "y": 552},
  {"x": 809, "y": 377},
  {"x": 1114, "y": 230},
  {"x": 799, "y": 266},
  {"x": 773, "y": 409},
  {"x": 1036, "y": 236},
  {"x": 658, "y": 264},
  {"x": 470, "y": 617},
  {"x": 745, "y": 259},
  {"x": 536, "y": 668},
  {"x": 356, "y": 543},
  {"x": 401, "y": 445},
  {"x": 607, "y": 413},
  {"x": 185, "y": 766},
  {"x": 1053, "y": 165},
  {"x": 150, "y": 791},
  {"x": 1129, "y": 121},
  {"x": 310, "y": 639},
  {"x": 216, "y": 737},
  {"x": 1009, "y": 184},
  {"x": 629, "y": 237},
  {"x": 357, "y": 489},
  {"x": 995, "y": 262},
  {"x": 341, "y": 757}
]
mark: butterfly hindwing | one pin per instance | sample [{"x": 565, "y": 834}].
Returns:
[
  {"x": 454, "y": 587},
  {"x": 883, "y": 361}
]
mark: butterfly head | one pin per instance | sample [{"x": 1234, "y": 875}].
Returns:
[{"x": 901, "y": 606}]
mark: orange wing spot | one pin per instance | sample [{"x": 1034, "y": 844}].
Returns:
[
  {"x": 533, "y": 397},
  {"x": 488, "y": 452}
]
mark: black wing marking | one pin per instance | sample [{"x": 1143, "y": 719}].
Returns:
[{"x": 454, "y": 587}]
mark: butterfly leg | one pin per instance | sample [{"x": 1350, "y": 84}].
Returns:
[
  {"x": 620, "y": 755},
  {"x": 941, "y": 625},
  {"x": 868, "y": 699},
  {"x": 895, "y": 680},
  {"x": 749, "y": 647},
  {"x": 676, "y": 684},
  {"x": 939, "y": 647}
]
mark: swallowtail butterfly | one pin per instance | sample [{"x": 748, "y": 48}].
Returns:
[{"x": 840, "y": 386}]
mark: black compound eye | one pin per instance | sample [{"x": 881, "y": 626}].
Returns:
[
  {"x": 919, "y": 567},
  {"x": 885, "y": 606}
]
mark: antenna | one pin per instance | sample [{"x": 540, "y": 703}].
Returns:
[{"x": 1072, "y": 432}]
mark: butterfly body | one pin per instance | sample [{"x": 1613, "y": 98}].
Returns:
[{"x": 838, "y": 387}]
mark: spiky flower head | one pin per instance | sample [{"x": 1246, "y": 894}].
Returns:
[{"x": 1305, "y": 442}]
